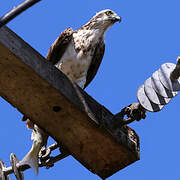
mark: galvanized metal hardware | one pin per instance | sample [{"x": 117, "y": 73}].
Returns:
[
  {"x": 14, "y": 162},
  {"x": 45, "y": 161},
  {"x": 133, "y": 112},
  {"x": 158, "y": 90},
  {"x": 3, "y": 176}
]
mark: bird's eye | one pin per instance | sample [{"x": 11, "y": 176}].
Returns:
[{"x": 108, "y": 13}]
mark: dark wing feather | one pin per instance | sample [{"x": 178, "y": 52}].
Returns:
[
  {"x": 96, "y": 61},
  {"x": 58, "y": 48}
]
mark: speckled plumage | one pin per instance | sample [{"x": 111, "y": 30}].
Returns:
[{"x": 78, "y": 56}]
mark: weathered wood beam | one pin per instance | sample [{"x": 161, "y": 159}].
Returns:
[{"x": 44, "y": 94}]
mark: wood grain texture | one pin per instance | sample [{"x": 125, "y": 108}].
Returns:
[{"x": 36, "y": 88}]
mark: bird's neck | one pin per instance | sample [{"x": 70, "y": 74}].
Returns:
[
  {"x": 92, "y": 34},
  {"x": 87, "y": 37},
  {"x": 95, "y": 28}
]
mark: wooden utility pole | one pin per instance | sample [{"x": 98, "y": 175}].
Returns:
[{"x": 62, "y": 109}]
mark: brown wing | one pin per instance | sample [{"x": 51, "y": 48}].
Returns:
[
  {"x": 96, "y": 61},
  {"x": 58, "y": 48}
]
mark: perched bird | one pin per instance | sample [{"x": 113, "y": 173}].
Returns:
[{"x": 78, "y": 54}]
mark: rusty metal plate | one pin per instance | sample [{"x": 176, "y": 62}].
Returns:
[
  {"x": 159, "y": 88},
  {"x": 146, "y": 103},
  {"x": 164, "y": 76},
  {"x": 152, "y": 95}
]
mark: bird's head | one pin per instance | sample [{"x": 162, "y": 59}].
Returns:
[{"x": 104, "y": 19}]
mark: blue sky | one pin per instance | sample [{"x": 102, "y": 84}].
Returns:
[{"x": 147, "y": 37}]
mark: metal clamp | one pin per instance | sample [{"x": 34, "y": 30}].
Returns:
[
  {"x": 133, "y": 112},
  {"x": 14, "y": 161},
  {"x": 45, "y": 161},
  {"x": 3, "y": 176}
]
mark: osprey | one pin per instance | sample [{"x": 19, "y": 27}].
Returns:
[{"x": 78, "y": 54}]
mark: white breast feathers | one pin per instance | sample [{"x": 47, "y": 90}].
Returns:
[{"x": 77, "y": 58}]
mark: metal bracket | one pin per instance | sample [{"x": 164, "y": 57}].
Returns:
[
  {"x": 45, "y": 161},
  {"x": 3, "y": 176},
  {"x": 133, "y": 112},
  {"x": 14, "y": 162}
]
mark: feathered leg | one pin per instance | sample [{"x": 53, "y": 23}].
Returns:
[{"x": 39, "y": 138}]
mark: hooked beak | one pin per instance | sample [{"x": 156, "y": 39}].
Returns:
[{"x": 116, "y": 19}]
